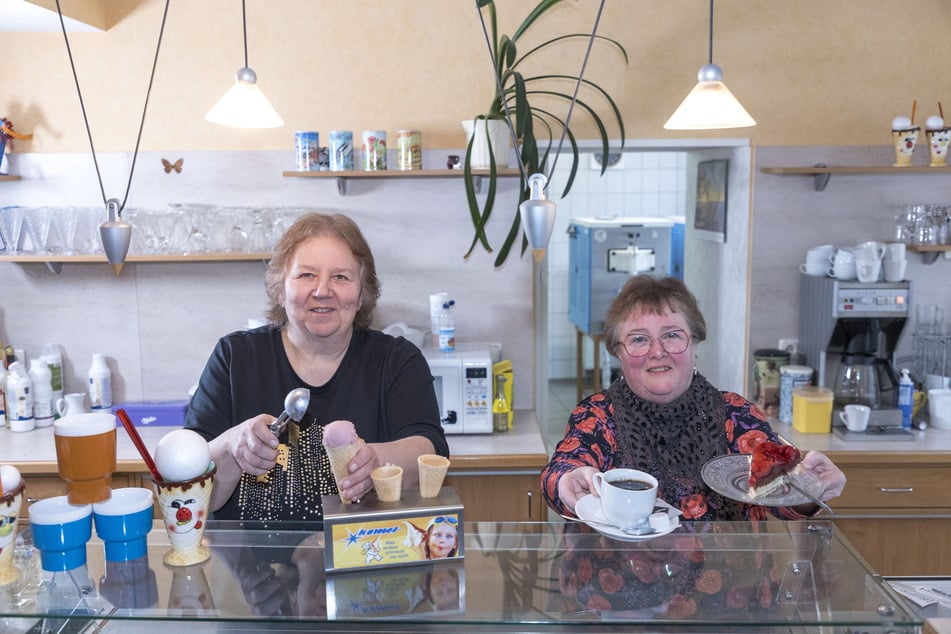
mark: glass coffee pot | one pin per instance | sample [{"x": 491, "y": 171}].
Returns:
[{"x": 856, "y": 381}]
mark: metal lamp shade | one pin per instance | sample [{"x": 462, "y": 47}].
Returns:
[{"x": 538, "y": 217}]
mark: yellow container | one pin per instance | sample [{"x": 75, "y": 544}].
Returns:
[{"x": 812, "y": 409}]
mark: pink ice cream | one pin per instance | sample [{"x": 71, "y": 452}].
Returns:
[{"x": 339, "y": 433}]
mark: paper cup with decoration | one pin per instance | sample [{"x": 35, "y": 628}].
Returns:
[
  {"x": 185, "y": 511},
  {"x": 904, "y": 141},
  {"x": 341, "y": 443},
  {"x": 432, "y": 472},
  {"x": 11, "y": 500},
  {"x": 388, "y": 481},
  {"x": 938, "y": 141}
]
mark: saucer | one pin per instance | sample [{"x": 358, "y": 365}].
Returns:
[{"x": 588, "y": 510}]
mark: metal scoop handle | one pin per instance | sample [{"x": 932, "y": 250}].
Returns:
[{"x": 280, "y": 423}]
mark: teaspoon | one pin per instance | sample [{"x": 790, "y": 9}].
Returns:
[{"x": 295, "y": 406}]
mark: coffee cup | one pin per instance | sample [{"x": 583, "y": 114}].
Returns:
[
  {"x": 870, "y": 249},
  {"x": 86, "y": 455},
  {"x": 60, "y": 532},
  {"x": 72, "y": 404},
  {"x": 814, "y": 267},
  {"x": 855, "y": 416},
  {"x": 868, "y": 270},
  {"x": 894, "y": 270},
  {"x": 823, "y": 253},
  {"x": 627, "y": 496},
  {"x": 895, "y": 251}
]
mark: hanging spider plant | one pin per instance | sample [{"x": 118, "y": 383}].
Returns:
[{"x": 538, "y": 130}]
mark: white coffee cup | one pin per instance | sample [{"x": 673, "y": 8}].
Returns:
[
  {"x": 895, "y": 251},
  {"x": 814, "y": 267},
  {"x": 823, "y": 253},
  {"x": 894, "y": 270},
  {"x": 843, "y": 265},
  {"x": 626, "y": 505},
  {"x": 870, "y": 249},
  {"x": 855, "y": 416},
  {"x": 868, "y": 270}
]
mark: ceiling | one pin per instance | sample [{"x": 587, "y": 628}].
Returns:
[{"x": 27, "y": 17}]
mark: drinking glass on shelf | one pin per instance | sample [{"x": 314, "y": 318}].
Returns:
[
  {"x": 11, "y": 228},
  {"x": 65, "y": 223},
  {"x": 37, "y": 222}
]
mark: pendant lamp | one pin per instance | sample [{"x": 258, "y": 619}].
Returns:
[
  {"x": 244, "y": 105},
  {"x": 538, "y": 216},
  {"x": 710, "y": 105},
  {"x": 116, "y": 235}
]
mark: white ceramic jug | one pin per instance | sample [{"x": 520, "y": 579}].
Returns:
[{"x": 72, "y": 404}]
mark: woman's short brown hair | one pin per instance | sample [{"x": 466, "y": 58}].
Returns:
[
  {"x": 310, "y": 226},
  {"x": 653, "y": 295}
]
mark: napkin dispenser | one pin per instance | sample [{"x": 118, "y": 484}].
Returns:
[{"x": 372, "y": 534}]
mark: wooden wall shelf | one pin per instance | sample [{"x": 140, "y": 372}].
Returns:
[
  {"x": 343, "y": 177},
  {"x": 54, "y": 262},
  {"x": 9, "y": 177}
]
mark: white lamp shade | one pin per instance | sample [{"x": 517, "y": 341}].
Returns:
[
  {"x": 244, "y": 106},
  {"x": 709, "y": 106}
]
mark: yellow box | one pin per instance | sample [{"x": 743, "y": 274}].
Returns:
[
  {"x": 812, "y": 409},
  {"x": 505, "y": 367}
]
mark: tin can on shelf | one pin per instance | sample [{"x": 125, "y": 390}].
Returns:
[
  {"x": 409, "y": 149},
  {"x": 341, "y": 150},
  {"x": 307, "y": 148},
  {"x": 374, "y": 150}
]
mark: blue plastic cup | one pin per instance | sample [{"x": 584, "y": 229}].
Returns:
[
  {"x": 60, "y": 532},
  {"x": 123, "y": 522}
]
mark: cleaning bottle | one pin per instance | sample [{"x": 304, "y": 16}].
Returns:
[
  {"x": 447, "y": 327},
  {"x": 19, "y": 392},
  {"x": 41, "y": 378},
  {"x": 100, "y": 383},
  {"x": 906, "y": 398},
  {"x": 54, "y": 360}
]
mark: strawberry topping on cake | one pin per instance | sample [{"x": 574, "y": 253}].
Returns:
[{"x": 769, "y": 465}]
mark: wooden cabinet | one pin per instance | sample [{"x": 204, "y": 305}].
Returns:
[
  {"x": 497, "y": 496},
  {"x": 896, "y": 510}
]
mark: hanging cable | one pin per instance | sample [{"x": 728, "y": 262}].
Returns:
[{"x": 82, "y": 105}]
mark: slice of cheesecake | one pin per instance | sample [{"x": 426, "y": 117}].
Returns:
[{"x": 769, "y": 465}]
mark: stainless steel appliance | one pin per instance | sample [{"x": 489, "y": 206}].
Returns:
[
  {"x": 604, "y": 252},
  {"x": 464, "y": 386},
  {"x": 849, "y": 330}
]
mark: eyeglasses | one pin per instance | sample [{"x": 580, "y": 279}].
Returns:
[{"x": 673, "y": 342}]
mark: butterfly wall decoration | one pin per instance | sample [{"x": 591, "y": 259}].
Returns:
[{"x": 177, "y": 166}]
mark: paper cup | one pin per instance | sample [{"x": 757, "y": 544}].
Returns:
[
  {"x": 387, "y": 480},
  {"x": 432, "y": 472}
]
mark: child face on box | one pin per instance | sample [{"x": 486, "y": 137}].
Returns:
[{"x": 442, "y": 540}]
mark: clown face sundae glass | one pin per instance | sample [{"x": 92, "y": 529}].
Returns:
[{"x": 185, "y": 511}]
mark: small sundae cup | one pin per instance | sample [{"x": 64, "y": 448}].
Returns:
[
  {"x": 10, "y": 503},
  {"x": 432, "y": 472},
  {"x": 904, "y": 141},
  {"x": 388, "y": 482},
  {"x": 939, "y": 137},
  {"x": 185, "y": 511}
]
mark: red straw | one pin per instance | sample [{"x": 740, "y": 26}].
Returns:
[{"x": 137, "y": 441}]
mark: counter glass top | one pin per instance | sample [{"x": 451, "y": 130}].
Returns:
[{"x": 765, "y": 576}]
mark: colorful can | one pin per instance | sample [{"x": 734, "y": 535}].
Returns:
[
  {"x": 341, "y": 150},
  {"x": 374, "y": 150},
  {"x": 307, "y": 146},
  {"x": 409, "y": 149}
]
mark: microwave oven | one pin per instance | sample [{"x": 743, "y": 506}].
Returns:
[{"x": 464, "y": 386}]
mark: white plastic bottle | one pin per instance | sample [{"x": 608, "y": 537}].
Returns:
[
  {"x": 19, "y": 392},
  {"x": 906, "y": 398},
  {"x": 447, "y": 328},
  {"x": 41, "y": 378},
  {"x": 54, "y": 360},
  {"x": 100, "y": 383},
  {"x": 4, "y": 421}
]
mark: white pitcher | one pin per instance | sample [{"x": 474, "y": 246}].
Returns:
[{"x": 72, "y": 404}]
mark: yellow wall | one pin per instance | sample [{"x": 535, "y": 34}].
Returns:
[{"x": 812, "y": 72}]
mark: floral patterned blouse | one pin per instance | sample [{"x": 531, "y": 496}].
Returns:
[{"x": 590, "y": 441}]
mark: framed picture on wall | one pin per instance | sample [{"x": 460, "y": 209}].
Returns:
[{"x": 710, "y": 217}]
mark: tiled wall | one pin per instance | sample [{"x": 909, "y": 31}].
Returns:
[{"x": 641, "y": 184}]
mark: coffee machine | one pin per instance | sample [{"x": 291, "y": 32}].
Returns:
[{"x": 848, "y": 332}]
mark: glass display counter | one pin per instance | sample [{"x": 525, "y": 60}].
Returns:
[{"x": 515, "y": 577}]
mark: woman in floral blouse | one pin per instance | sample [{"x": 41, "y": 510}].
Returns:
[{"x": 661, "y": 416}]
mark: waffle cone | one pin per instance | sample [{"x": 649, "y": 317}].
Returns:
[
  {"x": 388, "y": 481},
  {"x": 340, "y": 457},
  {"x": 432, "y": 472}
]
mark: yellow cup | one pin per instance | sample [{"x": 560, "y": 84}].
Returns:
[{"x": 812, "y": 409}]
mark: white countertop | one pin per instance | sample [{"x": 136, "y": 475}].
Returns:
[
  {"x": 930, "y": 440},
  {"x": 38, "y": 445}
]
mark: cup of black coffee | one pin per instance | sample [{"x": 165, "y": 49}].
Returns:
[{"x": 627, "y": 496}]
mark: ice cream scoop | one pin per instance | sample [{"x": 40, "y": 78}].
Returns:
[
  {"x": 182, "y": 455},
  {"x": 339, "y": 433},
  {"x": 295, "y": 406},
  {"x": 9, "y": 478},
  {"x": 901, "y": 123},
  {"x": 934, "y": 122}
]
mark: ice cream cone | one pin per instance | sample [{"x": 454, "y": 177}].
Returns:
[
  {"x": 904, "y": 141},
  {"x": 388, "y": 481},
  {"x": 340, "y": 457},
  {"x": 10, "y": 504},
  {"x": 432, "y": 472}
]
